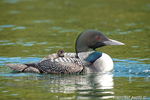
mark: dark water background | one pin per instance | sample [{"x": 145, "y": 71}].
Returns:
[{"x": 33, "y": 29}]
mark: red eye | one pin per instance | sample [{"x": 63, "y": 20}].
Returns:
[{"x": 97, "y": 38}]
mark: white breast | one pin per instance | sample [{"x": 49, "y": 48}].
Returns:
[{"x": 104, "y": 63}]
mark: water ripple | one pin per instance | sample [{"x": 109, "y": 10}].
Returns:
[
  {"x": 126, "y": 68},
  {"x": 43, "y": 21},
  {"x": 42, "y": 43},
  {"x": 55, "y": 28},
  {"x": 138, "y": 30},
  {"x": 130, "y": 24},
  {"x": 71, "y": 30},
  {"x": 14, "y": 12},
  {"x": 8, "y": 44},
  {"x": 6, "y": 26},
  {"x": 18, "y": 27},
  {"x": 72, "y": 20},
  {"x": 4, "y": 40},
  {"x": 10, "y": 1}
]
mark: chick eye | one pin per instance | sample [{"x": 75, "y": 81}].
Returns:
[{"x": 97, "y": 38}]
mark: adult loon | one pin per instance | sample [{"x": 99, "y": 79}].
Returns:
[{"x": 83, "y": 61}]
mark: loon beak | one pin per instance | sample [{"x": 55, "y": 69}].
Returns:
[{"x": 112, "y": 42}]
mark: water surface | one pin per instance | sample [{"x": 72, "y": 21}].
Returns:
[{"x": 33, "y": 29}]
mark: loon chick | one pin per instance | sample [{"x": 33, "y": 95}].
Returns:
[
  {"x": 83, "y": 61},
  {"x": 60, "y": 53}
]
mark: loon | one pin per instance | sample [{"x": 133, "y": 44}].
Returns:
[{"x": 85, "y": 60}]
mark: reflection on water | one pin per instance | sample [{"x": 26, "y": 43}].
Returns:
[
  {"x": 135, "y": 46},
  {"x": 125, "y": 32},
  {"x": 7, "y": 43},
  {"x": 43, "y": 21},
  {"x": 55, "y": 28},
  {"x": 130, "y": 24},
  {"x": 4, "y": 40},
  {"x": 13, "y": 1},
  {"x": 21, "y": 42},
  {"x": 84, "y": 86},
  {"x": 42, "y": 43},
  {"x": 6, "y": 26},
  {"x": 18, "y": 27},
  {"x": 72, "y": 20},
  {"x": 67, "y": 31},
  {"x": 13, "y": 28},
  {"x": 14, "y": 12},
  {"x": 138, "y": 30},
  {"x": 74, "y": 86},
  {"x": 10, "y": 1},
  {"x": 98, "y": 86}
]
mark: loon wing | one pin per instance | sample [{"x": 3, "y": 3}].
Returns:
[
  {"x": 50, "y": 65},
  {"x": 60, "y": 65}
]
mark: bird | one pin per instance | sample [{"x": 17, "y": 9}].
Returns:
[{"x": 85, "y": 60}]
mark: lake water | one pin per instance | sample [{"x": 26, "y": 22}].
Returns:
[{"x": 33, "y": 29}]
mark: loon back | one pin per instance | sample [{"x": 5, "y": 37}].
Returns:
[{"x": 51, "y": 64}]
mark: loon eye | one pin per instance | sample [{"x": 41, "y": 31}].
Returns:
[{"x": 97, "y": 38}]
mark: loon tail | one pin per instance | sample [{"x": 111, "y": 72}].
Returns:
[{"x": 30, "y": 68}]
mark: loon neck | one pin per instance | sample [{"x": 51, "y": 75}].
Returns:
[{"x": 79, "y": 47}]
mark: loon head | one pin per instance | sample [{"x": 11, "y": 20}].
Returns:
[{"x": 92, "y": 39}]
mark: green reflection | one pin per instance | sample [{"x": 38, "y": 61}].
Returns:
[
  {"x": 55, "y": 22},
  {"x": 36, "y": 28}
]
